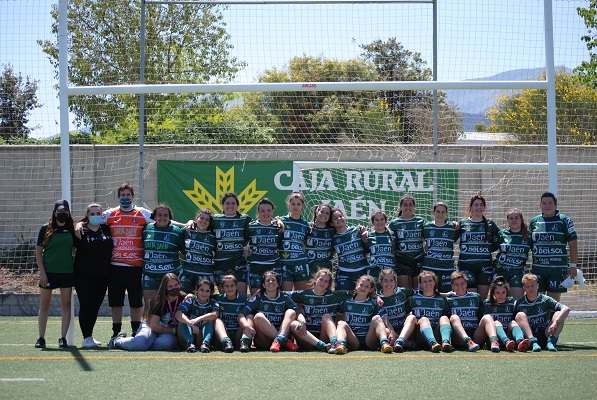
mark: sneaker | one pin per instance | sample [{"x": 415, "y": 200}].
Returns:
[
  {"x": 472, "y": 346},
  {"x": 245, "y": 346},
  {"x": 398, "y": 348},
  {"x": 41, "y": 343},
  {"x": 327, "y": 347},
  {"x": 447, "y": 347},
  {"x": 436, "y": 347},
  {"x": 191, "y": 348},
  {"x": 228, "y": 347},
  {"x": 112, "y": 343},
  {"x": 495, "y": 346},
  {"x": 510, "y": 346},
  {"x": 275, "y": 347},
  {"x": 386, "y": 348},
  {"x": 205, "y": 348},
  {"x": 291, "y": 346},
  {"x": 88, "y": 342},
  {"x": 340, "y": 349},
  {"x": 62, "y": 343},
  {"x": 524, "y": 345},
  {"x": 332, "y": 349}
]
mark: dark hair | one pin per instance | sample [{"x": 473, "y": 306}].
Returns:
[
  {"x": 425, "y": 273},
  {"x": 205, "y": 281},
  {"x": 497, "y": 282},
  {"x": 266, "y": 201},
  {"x": 231, "y": 195},
  {"x": 296, "y": 194},
  {"x": 207, "y": 211},
  {"x": 262, "y": 290},
  {"x": 440, "y": 204},
  {"x": 126, "y": 185},
  {"x": 321, "y": 271},
  {"x": 372, "y": 285},
  {"x": 469, "y": 209},
  {"x": 160, "y": 298},
  {"x": 228, "y": 276},
  {"x": 316, "y": 209},
  {"x": 158, "y": 207},
  {"x": 53, "y": 223},
  {"x": 524, "y": 228},
  {"x": 407, "y": 196},
  {"x": 550, "y": 194},
  {"x": 375, "y": 213},
  {"x": 458, "y": 275}
]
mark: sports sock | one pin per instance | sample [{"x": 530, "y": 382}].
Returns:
[
  {"x": 493, "y": 339},
  {"x": 551, "y": 343},
  {"x": 427, "y": 333},
  {"x": 319, "y": 345},
  {"x": 187, "y": 333},
  {"x": 116, "y": 328},
  {"x": 383, "y": 340},
  {"x": 135, "y": 326},
  {"x": 502, "y": 334},
  {"x": 281, "y": 338},
  {"x": 333, "y": 340},
  {"x": 446, "y": 333},
  {"x": 400, "y": 341},
  {"x": 517, "y": 334},
  {"x": 225, "y": 340},
  {"x": 536, "y": 346},
  {"x": 208, "y": 331}
]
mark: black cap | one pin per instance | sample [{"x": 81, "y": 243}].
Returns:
[{"x": 61, "y": 203}]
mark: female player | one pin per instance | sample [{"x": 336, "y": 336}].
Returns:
[
  {"x": 159, "y": 329},
  {"x": 352, "y": 260},
  {"x": 408, "y": 232},
  {"x": 440, "y": 236},
  {"x": 264, "y": 243},
  {"x": 431, "y": 310},
  {"x": 478, "y": 238},
  {"x": 200, "y": 245},
  {"x": 399, "y": 322},
  {"x": 315, "y": 327},
  {"x": 468, "y": 326},
  {"x": 54, "y": 256},
  {"x": 360, "y": 326},
  {"x": 198, "y": 316},
  {"x": 511, "y": 259},
  {"x": 380, "y": 246},
  {"x": 232, "y": 234},
  {"x": 319, "y": 239},
  {"x": 231, "y": 302},
  {"x": 295, "y": 264},
  {"x": 273, "y": 313},
  {"x": 92, "y": 270},
  {"x": 162, "y": 245},
  {"x": 501, "y": 308}
]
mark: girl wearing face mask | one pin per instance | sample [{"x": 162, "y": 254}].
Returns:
[
  {"x": 54, "y": 258},
  {"x": 92, "y": 269}
]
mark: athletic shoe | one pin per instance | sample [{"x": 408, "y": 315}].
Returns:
[
  {"x": 112, "y": 343},
  {"x": 447, "y": 347},
  {"x": 495, "y": 346},
  {"x": 62, "y": 343},
  {"x": 205, "y": 348},
  {"x": 398, "y": 348},
  {"x": 41, "y": 343},
  {"x": 191, "y": 348},
  {"x": 88, "y": 342},
  {"x": 386, "y": 348},
  {"x": 245, "y": 346},
  {"x": 436, "y": 347},
  {"x": 327, "y": 347},
  {"x": 332, "y": 349},
  {"x": 228, "y": 347},
  {"x": 472, "y": 346},
  {"x": 510, "y": 345},
  {"x": 275, "y": 347},
  {"x": 524, "y": 345},
  {"x": 291, "y": 346},
  {"x": 340, "y": 349}
]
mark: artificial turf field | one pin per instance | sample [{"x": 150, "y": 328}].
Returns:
[{"x": 53, "y": 373}]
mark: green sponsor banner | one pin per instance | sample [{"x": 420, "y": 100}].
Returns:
[{"x": 187, "y": 186}]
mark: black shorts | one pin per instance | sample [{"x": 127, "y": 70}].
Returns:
[
  {"x": 59, "y": 280},
  {"x": 125, "y": 279}
]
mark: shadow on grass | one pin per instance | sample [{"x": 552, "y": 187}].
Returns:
[
  {"x": 76, "y": 354},
  {"x": 576, "y": 347}
]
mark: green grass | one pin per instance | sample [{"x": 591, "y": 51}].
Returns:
[{"x": 110, "y": 374}]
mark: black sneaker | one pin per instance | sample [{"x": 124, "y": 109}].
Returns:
[
  {"x": 205, "y": 348},
  {"x": 41, "y": 343},
  {"x": 245, "y": 346},
  {"x": 191, "y": 348},
  {"x": 112, "y": 343},
  {"x": 228, "y": 347},
  {"x": 62, "y": 343}
]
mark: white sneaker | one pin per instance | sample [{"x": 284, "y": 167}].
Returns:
[{"x": 90, "y": 342}]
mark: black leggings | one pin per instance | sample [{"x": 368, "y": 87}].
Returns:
[{"x": 91, "y": 290}]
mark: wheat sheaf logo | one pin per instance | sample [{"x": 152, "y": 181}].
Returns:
[{"x": 202, "y": 198}]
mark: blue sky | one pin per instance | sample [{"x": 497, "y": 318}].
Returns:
[{"x": 492, "y": 37}]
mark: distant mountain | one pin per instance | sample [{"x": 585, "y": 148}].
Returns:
[{"x": 474, "y": 103}]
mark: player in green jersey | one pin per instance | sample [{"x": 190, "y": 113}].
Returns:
[
  {"x": 511, "y": 259},
  {"x": 468, "y": 326},
  {"x": 349, "y": 246},
  {"x": 314, "y": 326},
  {"x": 360, "y": 326},
  {"x": 540, "y": 317},
  {"x": 478, "y": 239},
  {"x": 440, "y": 236},
  {"x": 431, "y": 310},
  {"x": 294, "y": 260},
  {"x": 200, "y": 244},
  {"x": 319, "y": 239},
  {"x": 273, "y": 313},
  {"x": 500, "y": 305},
  {"x": 409, "y": 251},
  {"x": 399, "y": 322},
  {"x": 551, "y": 232},
  {"x": 380, "y": 246},
  {"x": 231, "y": 302}
]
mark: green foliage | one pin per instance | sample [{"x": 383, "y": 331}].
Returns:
[
  {"x": 587, "y": 70},
  {"x": 18, "y": 97},
  {"x": 480, "y": 127},
  {"x": 524, "y": 114}
]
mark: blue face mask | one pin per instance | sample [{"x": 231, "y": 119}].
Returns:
[
  {"x": 126, "y": 202},
  {"x": 95, "y": 219}
]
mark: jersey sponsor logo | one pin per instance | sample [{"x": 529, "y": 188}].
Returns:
[
  {"x": 473, "y": 237},
  {"x": 228, "y": 233},
  {"x": 474, "y": 249},
  {"x": 539, "y": 250},
  {"x": 229, "y": 246}
]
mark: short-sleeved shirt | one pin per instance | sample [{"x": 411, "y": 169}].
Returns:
[
  {"x": 316, "y": 305},
  {"x": 502, "y": 312},
  {"x": 514, "y": 251},
  {"x": 192, "y": 308},
  {"x": 229, "y": 310},
  {"x": 232, "y": 234},
  {"x": 397, "y": 306},
  {"x": 199, "y": 251},
  {"x": 409, "y": 240},
  {"x": 539, "y": 312},
  {"x": 468, "y": 307},
  {"x": 350, "y": 249},
  {"x": 57, "y": 254},
  {"x": 264, "y": 241},
  {"x": 550, "y": 236},
  {"x": 127, "y": 233},
  {"x": 293, "y": 241},
  {"x": 476, "y": 245},
  {"x": 380, "y": 248},
  {"x": 440, "y": 245},
  {"x": 432, "y": 307},
  {"x": 167, "y": 312},
  {"x": 272, "y": 308},
  {"x": 319, "y": 246},
  {"x": 358, "y": 314},
  {"x": 162, "y": 246},
  {"x": 94, "y": 251}
]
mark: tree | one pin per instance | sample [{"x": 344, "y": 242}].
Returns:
[
  {"x": 587, "y": 70},
  {"x": 524, "y": 114},
  {"x": 18, "y": 97},
  {"x": 185, "y": 44}
]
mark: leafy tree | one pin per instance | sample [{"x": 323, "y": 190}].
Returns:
[
  {"x": 524, "y": 113},
  {"x": 184, "y": 44},
  {"x": 587, "y": 70},
  {"x": 18, "y": 97}
]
